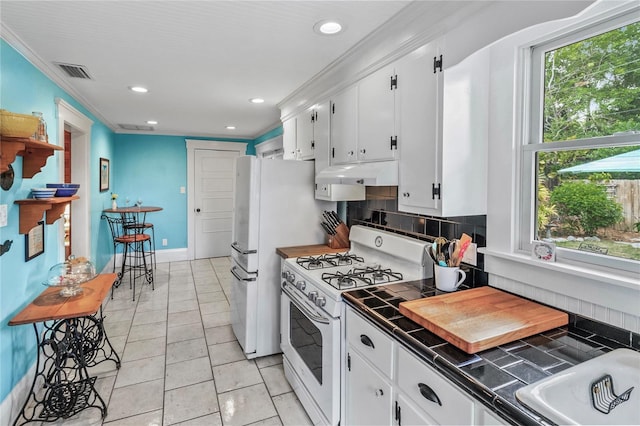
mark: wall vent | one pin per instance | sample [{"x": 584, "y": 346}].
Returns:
[
  {"x": 74, "y": 71},
  {"x": 136, "y": 127}
]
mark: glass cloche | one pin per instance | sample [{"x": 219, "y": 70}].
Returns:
[{"x": 70, "y": 274}]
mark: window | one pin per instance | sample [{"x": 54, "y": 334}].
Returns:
[{"x": 581, "y": 160}]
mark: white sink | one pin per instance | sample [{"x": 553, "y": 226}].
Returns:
[{"x": 566, "y": 397}]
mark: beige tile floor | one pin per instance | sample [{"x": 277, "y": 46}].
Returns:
[{"x": 181, "y": 363}]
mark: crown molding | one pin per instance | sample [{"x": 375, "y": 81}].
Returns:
[{"x": 51, "y": 72}]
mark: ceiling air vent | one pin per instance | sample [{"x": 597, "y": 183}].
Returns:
[
  {"x": 136, "y": 127},
  {"x": 75, "y": 71}
]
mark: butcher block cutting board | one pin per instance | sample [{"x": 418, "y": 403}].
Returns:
[{"x": 482, "y": 318}]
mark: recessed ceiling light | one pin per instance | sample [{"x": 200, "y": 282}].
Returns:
[
  {"x": 231, "y": 127},
  {"x": 138, "y": 89},
  {"x": 328, "y": 27},
  {"x": 152, "y": 122},
  {"x": 256, "y": 100}
]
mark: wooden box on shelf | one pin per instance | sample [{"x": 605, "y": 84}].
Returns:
[
  {"x": 32, "y": 209},
  {"x": 34, "y": 153}
]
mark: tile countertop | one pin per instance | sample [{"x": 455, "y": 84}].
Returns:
[{"x": 493, "y": 375}]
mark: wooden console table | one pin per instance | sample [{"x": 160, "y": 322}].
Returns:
[{"x": 71, "y": 339}]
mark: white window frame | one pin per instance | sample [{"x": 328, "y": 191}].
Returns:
[{"x": 533, "y": 96}]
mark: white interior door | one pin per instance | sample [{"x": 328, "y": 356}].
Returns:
[{"x": 214, "y": 183}]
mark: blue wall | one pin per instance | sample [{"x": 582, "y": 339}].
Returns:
[
  {"x": 154, "y": 168},
  {"x": 147, "y": 166},
  {"x": 24, "y": 89}
]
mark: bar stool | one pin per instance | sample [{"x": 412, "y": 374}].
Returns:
[
  {"x": 132, "y": 223},
  {"x": 134, "y": 255}
]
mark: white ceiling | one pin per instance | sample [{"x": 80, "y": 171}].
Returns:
[{"x": 201, "y": 60}]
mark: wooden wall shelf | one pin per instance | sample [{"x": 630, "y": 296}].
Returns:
[
  {"x": 35, "y": 154},
  {"x": 32, "y": 209}
]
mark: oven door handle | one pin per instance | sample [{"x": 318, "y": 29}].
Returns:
[
  {"x": 306, "y": 311},
  {"x": 238, "y": 277}
]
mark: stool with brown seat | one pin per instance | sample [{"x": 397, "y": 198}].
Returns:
[
  {"x": 134, "y": 254},
  {"x": 132, "y": 223}
]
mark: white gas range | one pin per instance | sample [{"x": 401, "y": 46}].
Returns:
[{"x": 312, "y": 334}]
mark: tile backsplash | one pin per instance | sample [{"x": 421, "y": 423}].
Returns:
[{"x": 380, "y": 210}]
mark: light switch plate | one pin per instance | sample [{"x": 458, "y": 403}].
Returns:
[
  {"x": 3, "y": 215},
  {"x": 470, "y": 256}
]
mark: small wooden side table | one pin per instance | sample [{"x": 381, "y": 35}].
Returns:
[{"x": 72, "y": 339}]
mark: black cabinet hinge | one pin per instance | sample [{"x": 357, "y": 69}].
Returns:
[
  {"x": 437, "y": 63},
  {"x": 435, "y": 191},
  {"x": 333, "y": 108},
  {"x": 313, "y": 118},
  {"x": 349, "y": 362},
  {"x": 394, "y": 142},
  {"x": 333, "y": 153},
  {"x": 313, "y": 144},
  {"x": 394, "y": 82},
  {"x": 398, "y": 414}
]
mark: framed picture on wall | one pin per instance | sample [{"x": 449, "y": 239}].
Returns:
[
  {"x": 34, "y": 242},
  {"x": 104, "y": 174}
]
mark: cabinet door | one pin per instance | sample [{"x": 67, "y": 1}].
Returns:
[
  {"x": 418, "y": 103},
  {"x": 321, "y": 136},
  {"x": 344, "y": 133},
  {"x": 368, "y": 394},
  {"x": 376, "y": 122},
  {"x": 304, "y": 136},
  {"x": 289, "y": 139},
  {"x": 406, "y": 414}
]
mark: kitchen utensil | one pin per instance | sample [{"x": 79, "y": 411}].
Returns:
[
  {"x": 462, "y": 250},
  {"x": 456, "y": 253},
  {"x": 482, "y": 318},
  {"x": 448, "y": 278}
]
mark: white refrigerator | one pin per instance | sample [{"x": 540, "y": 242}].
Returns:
[{"x": 275, "y": 206}]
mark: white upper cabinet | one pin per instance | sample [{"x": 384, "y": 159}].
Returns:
[
  {"x": 376, "y": 116},
  {"x": 418, "y": 98},
  {"x": 344, "y": 126},
  {"x": 443, "y": 135},
  {"x": 289, "y": 139},
  {"x": 363, "y": 120},
  {"x": 304, "y": 135}
]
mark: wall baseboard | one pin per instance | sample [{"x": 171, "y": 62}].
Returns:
[
  {"x": 162, "y": 256},
  {"x": 11, "y": 405}
]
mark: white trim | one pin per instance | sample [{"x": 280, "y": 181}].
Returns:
[
  {"x": 80, "y": 126},
  {"x": 270, "y": 145},
  {"x": 12, "y": 403},
  {"x": 51, "y": 71},
  {"x": 162, "y": 256},
  {"x": 604, "y": 294},
  {"x": 192, "y": 145}
]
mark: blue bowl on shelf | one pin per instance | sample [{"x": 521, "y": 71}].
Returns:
[
  {"x": 43, "y": 192},
  {"x": 64, "y": 189}
]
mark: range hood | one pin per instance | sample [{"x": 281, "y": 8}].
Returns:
[{"x": 379, "y": 173}]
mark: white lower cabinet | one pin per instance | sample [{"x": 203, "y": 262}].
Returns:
[
  {"x": 369, "y": 393},
  {"x": 386, "y": 384},
  {"x": 431, "y": 392}
]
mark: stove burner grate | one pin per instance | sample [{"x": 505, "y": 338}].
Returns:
[{"x": 328, "y": 260}]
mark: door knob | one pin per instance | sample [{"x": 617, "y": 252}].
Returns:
[{"x": 197, "y": 210}]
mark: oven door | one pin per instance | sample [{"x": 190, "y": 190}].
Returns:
[{"x": 311, "y": 344}]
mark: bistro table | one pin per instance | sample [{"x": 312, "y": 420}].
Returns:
[
  {"x": 131, "y": 215},
  {"x": 72, "y": 338}
]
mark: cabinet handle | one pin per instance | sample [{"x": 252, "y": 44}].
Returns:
[
  {"x": 406, "y": 194},
  {"x": 350, "y": 153},
  {"x": 429, "y": 394},
  {"x": 379, "y": 392},
  {"x": 362, "y": 151},
  {"x": 366, "y": 341}
]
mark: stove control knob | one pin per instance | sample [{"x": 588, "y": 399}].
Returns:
[
  {"x": 290, "y": 277},
  {"x": 313, "y": 295},
  {"x": 301, "y": 285},
  {"x": 321, "y": 301}
]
